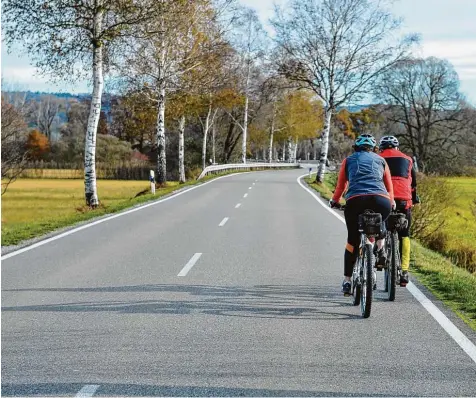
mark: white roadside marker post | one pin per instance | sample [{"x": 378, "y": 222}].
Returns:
[{"x": 152, "y": 181}]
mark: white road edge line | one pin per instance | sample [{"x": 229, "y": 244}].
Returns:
[
  {"x": 87, "y": 391},
  {"x": 223, "y": 222},
  {"x": 190, "y": 264},
  {"x": 72, "y": 231},
  {"x": 238, "y": 205},
  {"x": 457, "y": 335},
  {"x": 245, "y": 195}
]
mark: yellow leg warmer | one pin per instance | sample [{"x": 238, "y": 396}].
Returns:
[{"x": 405, "y": 253}]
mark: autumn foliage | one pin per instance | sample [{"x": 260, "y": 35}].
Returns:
[{"x": 37, "y": 145}]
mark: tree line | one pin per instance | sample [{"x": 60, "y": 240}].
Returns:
[{"x": 187, "y": 82}]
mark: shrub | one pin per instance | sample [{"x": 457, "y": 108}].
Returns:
[
  {"x": 436, "y": 197},
  {"x": 37, "y": 145},
  {"x": 464, "y": 256},
  {"x": 193, "y": 173},
  {"x": 437, "y": 241}
]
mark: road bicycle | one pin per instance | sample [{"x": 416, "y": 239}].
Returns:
[
  {"x": 363, "y": 279},
  {"x": 396, "y": 222},
  {"x": 363, "y": 275}
]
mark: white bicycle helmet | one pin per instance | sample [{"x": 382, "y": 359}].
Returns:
[{"x": 389, "y": 141}]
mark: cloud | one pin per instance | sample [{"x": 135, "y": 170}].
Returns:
[
  {"x": 461, "y": 53},
  {"x": 22, "y": 74}
]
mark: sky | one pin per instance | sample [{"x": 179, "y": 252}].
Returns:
[{"x": 447, "y": 28}]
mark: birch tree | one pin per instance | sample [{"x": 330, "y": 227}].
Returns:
[
  {"x": 336, "y": 48},
  {"x": 182, "y": 107},
  {"x": 273, "y": 90},
  {"x": 70, "y": 40},
  {"x": 217, "y": 100},
  {"x": 249, "y": 39},
  {"x": 299, "y": 116},
  {"x": 173, "y": 45}
]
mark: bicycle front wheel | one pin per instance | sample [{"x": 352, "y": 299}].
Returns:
[
  {"x": 367, "y": 287},
  {"x": 392, "y": 267}
]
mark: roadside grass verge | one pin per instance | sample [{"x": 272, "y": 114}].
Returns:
[
  {"x": 326, "y": 189},
  {"x": 453, "y": 285}
]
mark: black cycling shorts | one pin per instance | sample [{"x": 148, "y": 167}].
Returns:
[{"x": 353, "y": 208}]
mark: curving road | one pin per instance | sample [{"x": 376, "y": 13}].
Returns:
[{"x": 212, "y": 293}]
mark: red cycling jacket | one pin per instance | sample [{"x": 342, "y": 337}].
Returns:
[{"x": 403, "y": 174}]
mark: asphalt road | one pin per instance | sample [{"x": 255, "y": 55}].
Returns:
[{"x": 198, "y": 297}]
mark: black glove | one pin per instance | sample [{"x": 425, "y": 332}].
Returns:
[{"x": 415, "y": 198}]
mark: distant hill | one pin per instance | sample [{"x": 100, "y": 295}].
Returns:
[
  {"x": 36, "y": 96},
  {"x": 354, "y": 108}
]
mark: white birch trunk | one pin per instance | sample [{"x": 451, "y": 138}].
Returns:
[
  {"x": 90, "y": 187},
  {"x": 245, "y": 132},
  {"x": 290, "y": 151},
  {"x": 181, "y": 152},
  {"x": 295, "y": 151},
  {"x": 245, "y": 117},
  {"x": 213, "y": 143},
  {"x": 205, "y": 134},
  {"x": 160, "y": 130},
  {"x": 325, "y": 146},
  {"x": 271, "y": 138}
]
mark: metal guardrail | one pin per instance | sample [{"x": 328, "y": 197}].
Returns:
[{"x": 247, "y": 166}]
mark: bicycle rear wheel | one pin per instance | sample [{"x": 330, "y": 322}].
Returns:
[
  {"x": 388, "y": 249},
  {"x": 356, "y": 287},
  {"x": 367, "y": 287},
  {"x": 391, "y": 280}
]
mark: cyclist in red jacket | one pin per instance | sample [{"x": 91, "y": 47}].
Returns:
[{"x": 404, "y": 190}]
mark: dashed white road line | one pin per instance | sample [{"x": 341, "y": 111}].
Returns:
[
  {"x": 254, "y": 183},
  {"x": 190, "y": 264},
  {"x": 450, "y": 328},
  {"x": 102, "y": 220},
  {"x": 223, "y": 222},
  {"x": 238, "y": 205},
  {"x": 250, "y": 187},
  {"x": 87, "y": 390},
  {"x": 245, "y": 195}
]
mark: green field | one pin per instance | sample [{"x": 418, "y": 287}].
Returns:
[
  {"x": 460, "y": 227},
  {"x": 32, "y": 207}
]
